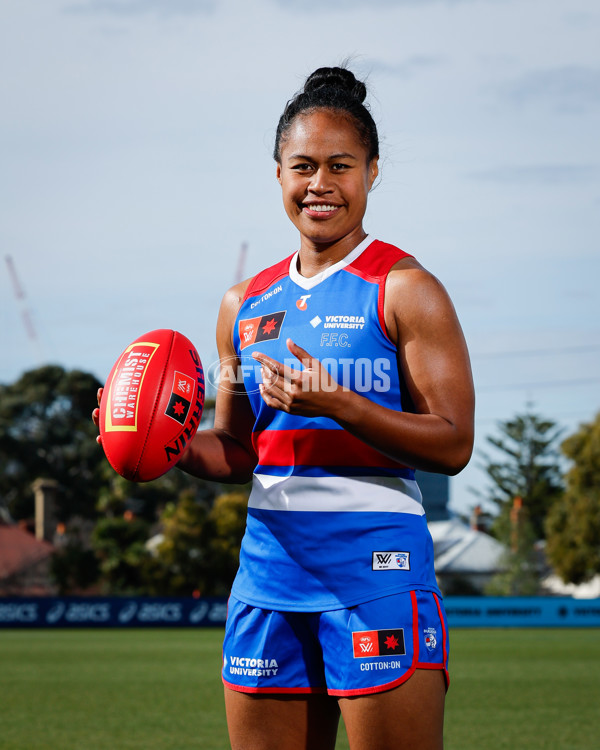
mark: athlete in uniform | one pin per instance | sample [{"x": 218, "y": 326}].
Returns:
[{"x": 344, "y": 368}]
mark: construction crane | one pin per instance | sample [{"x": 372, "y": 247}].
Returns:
[{"x": 22, "y": 301}]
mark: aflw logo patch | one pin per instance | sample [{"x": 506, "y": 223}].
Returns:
[
  {"x": 367, "y": 643},
  {"x": 182, "y": 393},
  {"x": 391, "y": 560},
  {"x": 265, "y": 328}
]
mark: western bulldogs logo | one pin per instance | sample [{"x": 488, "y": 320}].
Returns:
[{"x": 430, "y": 635}]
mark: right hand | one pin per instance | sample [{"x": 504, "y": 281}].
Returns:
[{"x": 96, "y": 414}]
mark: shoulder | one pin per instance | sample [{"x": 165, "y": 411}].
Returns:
[
  {"x": 233, "y": 298},
  {"x": 266, "y": 278},
  {"x": 414, "y": 298},
  {"x": 377, "y": 259}
]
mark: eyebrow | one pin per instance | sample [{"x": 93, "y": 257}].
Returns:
[{"x": 329, "y": 158}]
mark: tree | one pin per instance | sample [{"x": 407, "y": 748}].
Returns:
[
  {"x": 120, "y": 546},
  {"x": 227, "y": 523},
  {"x": 200, "y": 547},
  {"x": 46, "y": 431},
  {"x": 573, "y": 524},
  {"x": 529, "y": 468},
  {"x": 519, "y": 567}
]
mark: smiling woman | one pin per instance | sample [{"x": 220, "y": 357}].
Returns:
[
  {"x": 326, "y": 175},
  {"x": 363, "y": 376}
]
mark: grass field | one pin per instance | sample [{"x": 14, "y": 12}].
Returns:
[{"x": 161, "y": 690}]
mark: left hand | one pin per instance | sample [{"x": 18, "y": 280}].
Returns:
[{"x": 309, "y": 392}]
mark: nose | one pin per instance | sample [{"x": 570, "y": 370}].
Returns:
[{"x": 320, "y": 182}]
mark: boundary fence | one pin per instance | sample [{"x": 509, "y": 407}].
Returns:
[{"x": 164, "y": 612}]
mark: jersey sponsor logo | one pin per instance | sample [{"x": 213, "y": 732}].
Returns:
[
  {"x": 345, "y": 321},
  {"x": 430, "y": 635},
  {"x": 391, "y": 560},
  {"x": 251, "y": 667},
  {"x": 369, "y": 643},
  {"x": 301, "y": 303},
  {"x": 182, "y": 393},
  {"x": 266, "y": 296},
  {"x": 316, "y": 321},
  {"x": 265, "y": 328}
]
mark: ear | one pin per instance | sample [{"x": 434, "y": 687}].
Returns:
[
  {"x": 278, "y": 173},
  {"x": 373, "y": 170}
]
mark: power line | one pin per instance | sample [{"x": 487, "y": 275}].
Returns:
[
  {"x": 542, "y": 384},
  {"x": 536, "y": 352}
]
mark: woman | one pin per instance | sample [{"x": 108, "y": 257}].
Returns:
[{"x": 355, "y": 373}]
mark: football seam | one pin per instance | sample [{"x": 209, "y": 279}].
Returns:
[{"x": 156, "y": 402}]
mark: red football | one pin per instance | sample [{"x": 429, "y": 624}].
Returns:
[{"x": 151, "y": 405}]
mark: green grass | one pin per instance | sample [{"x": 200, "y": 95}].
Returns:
[{"x": 161, "y": 689}]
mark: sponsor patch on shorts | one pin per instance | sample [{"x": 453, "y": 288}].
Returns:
[
  {"x": 391, "y": 560},
  {"x": 368, "y": 643}
]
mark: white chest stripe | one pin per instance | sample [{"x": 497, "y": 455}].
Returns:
[{"x": 337, "y": 494}]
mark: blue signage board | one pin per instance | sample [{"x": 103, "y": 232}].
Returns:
[
  {"x": 119, "y": 612},
  {"x": 521, "y": 612},
  {"x": 164, "y": 612}
]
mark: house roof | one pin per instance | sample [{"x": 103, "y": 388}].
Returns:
[
  {"x": 20, "y": 550},
  {"x": 461, "y": 549}
]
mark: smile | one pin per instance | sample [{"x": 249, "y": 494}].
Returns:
[{"x": 319, "y": 208}]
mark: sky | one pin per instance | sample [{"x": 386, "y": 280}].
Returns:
[{"x": 136, "y": 160}]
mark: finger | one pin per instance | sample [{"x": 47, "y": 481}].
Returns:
[
  {"x": 307, "y": 359},
  {"x": 275, "y": 401},
  {"x": 96, "y": 416},
  {"x": 99, "y": 395},
  {"x": 268, "y": 363},
  {"x": 273, "y": 369}
]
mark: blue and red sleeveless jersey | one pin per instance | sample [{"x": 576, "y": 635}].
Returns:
[{"x": 331, "y": 521}]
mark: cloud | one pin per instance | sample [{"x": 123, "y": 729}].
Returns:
[
  {"x": 568, "y": 89},
  {"x": 139, "y": 7},
  {"x": 337, "y": 5},
  {"x": 540, "y": 174}
]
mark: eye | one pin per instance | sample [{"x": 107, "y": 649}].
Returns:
[
  {"x": 302, "y": 167},
  {"x": 339, "y": 167}
]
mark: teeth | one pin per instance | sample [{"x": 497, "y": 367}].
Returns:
[{"x": 320, "y": 207}]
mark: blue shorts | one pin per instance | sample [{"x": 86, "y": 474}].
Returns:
[{"x": 356, "y": 651}]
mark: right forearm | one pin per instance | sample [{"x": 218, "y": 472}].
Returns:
[{"x": 216, "y": 456}]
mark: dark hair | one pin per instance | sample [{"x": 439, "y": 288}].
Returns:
[{"x": 336, "y": 89}]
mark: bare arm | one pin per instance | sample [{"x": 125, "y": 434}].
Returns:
[
  {"x": 225, "y": 453},
  {"x": 434, "y": 361}
]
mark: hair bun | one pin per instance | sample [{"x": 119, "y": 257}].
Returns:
[{"x": 339, "y": 78}]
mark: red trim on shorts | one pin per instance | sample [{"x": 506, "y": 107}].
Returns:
[
  {"x": 272, "y": 690},
  {"x": 444, "y": 641},
  {"x": 409, "y": 672}
]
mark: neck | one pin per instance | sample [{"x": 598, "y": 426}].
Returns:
[{"x": 314, "y": 257}]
